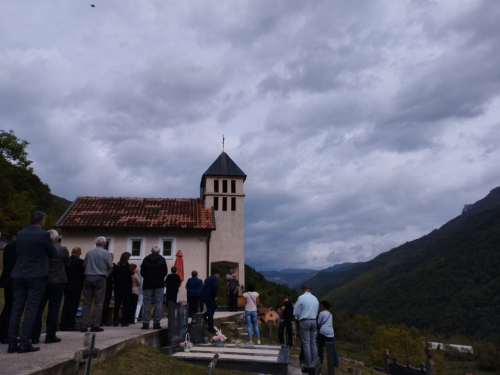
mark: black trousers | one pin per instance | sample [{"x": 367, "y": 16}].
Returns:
[
  {"x": 27, "y": 296},
  {"x": 132, "y": 307},
  {"x": 322, "y": 339},
  {"x": 122, "y": 297},
  {"x": 53, "y": 296},
  {"x": 232, "y": 301},
  {"x": 289, "y": 332},
  {"x": 6, "y": 312},
  {"x": 194, "y": 305},
  {"x": 70, "y": 307},
  {"x": 107, "y": 301}
]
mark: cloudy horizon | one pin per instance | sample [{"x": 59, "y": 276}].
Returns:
[{"x": 361, "y": 124}]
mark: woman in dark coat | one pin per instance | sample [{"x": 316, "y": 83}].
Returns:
[
  {"x": 193, "y": 287},
  {"x": 122, "y": 277},
  {"x": 172, "y": 282}
]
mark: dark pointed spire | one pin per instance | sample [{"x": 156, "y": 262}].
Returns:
[{"x": 224, "y": 166}]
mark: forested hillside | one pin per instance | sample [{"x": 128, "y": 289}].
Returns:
[
  {"x": 447, "y": 281},
  {"x": 21, "y": 191}
]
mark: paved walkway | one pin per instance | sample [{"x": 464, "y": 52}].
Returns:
[{"x": 58, "y": 358}]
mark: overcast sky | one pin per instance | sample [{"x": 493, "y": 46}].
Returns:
[{"x": 360, "y": 124}]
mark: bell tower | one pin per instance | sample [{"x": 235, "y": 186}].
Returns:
[{"x": 222, "y": 189}]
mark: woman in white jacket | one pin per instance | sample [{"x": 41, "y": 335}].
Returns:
[{"x": 325, "y": 332}]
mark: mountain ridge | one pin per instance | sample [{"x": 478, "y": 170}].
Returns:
[{"x": 446, "y": 281}]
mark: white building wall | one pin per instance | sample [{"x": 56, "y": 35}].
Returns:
[{"x": 193, "y": 245}]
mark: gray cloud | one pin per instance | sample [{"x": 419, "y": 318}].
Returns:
[{"x": 361, "y": 125}]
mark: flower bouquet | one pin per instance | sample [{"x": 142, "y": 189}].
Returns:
[{"x": 219, "y": 338}]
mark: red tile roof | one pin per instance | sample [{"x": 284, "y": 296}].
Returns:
[{"x": 111, "y": 212}]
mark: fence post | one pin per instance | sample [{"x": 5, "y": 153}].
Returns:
[
  {"x": 212, "y": 364},
  {"x": 429, "y": 365},
  {"x": 91, "y": 353},
  {"x": 269, "y": 327},
  {"x": 329, "y": 358},
  {"x": 387, "y": 361}
]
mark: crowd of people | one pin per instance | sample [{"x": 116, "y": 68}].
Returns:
[
  {"x": 315, "y": 327},
  {"x": 38, "y": 271}
]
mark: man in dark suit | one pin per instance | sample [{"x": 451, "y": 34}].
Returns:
[
  {"x": 9, "y": 259},
  {"x": 209, "y": 298},
  {"x": 54, "y": 291},
  {"x": 72, "y": 290},
  {"x": 34, "y": 247}
]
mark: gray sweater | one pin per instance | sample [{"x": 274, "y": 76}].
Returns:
[
  {"x": 57, "y": 271},
  {"x": 325, "y": 323}
]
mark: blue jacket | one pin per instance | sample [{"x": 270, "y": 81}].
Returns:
[
  {"x": 34, "y": 247},
  {"x": 210, "y": 287},
  {"x": 193, "y": 287}
]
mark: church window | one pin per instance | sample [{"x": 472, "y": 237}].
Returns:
[
  {"x": 224, "y": 204},
  {"x": 233, "y": 186},
  {"x": 216, "y": 186},
  {"x": 224, "y": 186},
  {"x": 233, "y": 204},
  {"x": 167, "y": 247},
  {"x": 135, "y": 246},
  {"x": 216, "y": 203}
]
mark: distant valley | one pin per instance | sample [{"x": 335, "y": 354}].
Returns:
[{"x": 294, "y": 277}]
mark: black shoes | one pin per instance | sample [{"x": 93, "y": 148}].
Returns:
[
  {"x": 115, "y": 324},
  {"x": 51, "y": 340},
  {"x": 156, "y": 326},
  {"x": 35, "y": 341},
  {"x": 96, "y": 329},
  {"x": 145, "y": 326},
  {"x": 28, "y": 349},
  {"x": 83, "y": 330},
  {"x": 13, "y": 348},
  {"x": 125, "y": 324}
]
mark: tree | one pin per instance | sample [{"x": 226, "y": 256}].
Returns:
[
  {"x": 21, "y": 191},
  {"x": 13, "y": 150},
  {"x": 402, "y": 342}
]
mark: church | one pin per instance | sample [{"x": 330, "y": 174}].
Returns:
[{"x": 207, "y": 231}]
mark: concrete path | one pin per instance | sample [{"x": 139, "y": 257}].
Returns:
[{"x": 58, "y": 358}]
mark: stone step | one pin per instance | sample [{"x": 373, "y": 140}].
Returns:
[
  {"x": 229, "y": 325},
  {"x": 242, "y": 331}
]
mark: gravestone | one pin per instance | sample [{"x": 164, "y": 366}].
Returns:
[
  {"x": 197, "y": 330},
  {"x": 183, "y": 320},
  {"x": 174, "y": 324}
]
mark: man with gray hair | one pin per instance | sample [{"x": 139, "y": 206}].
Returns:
[
  {"x": 98, "y": 265},
  {"x": 54, "y": 291},
  {"x": 153, "y": 270}
]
